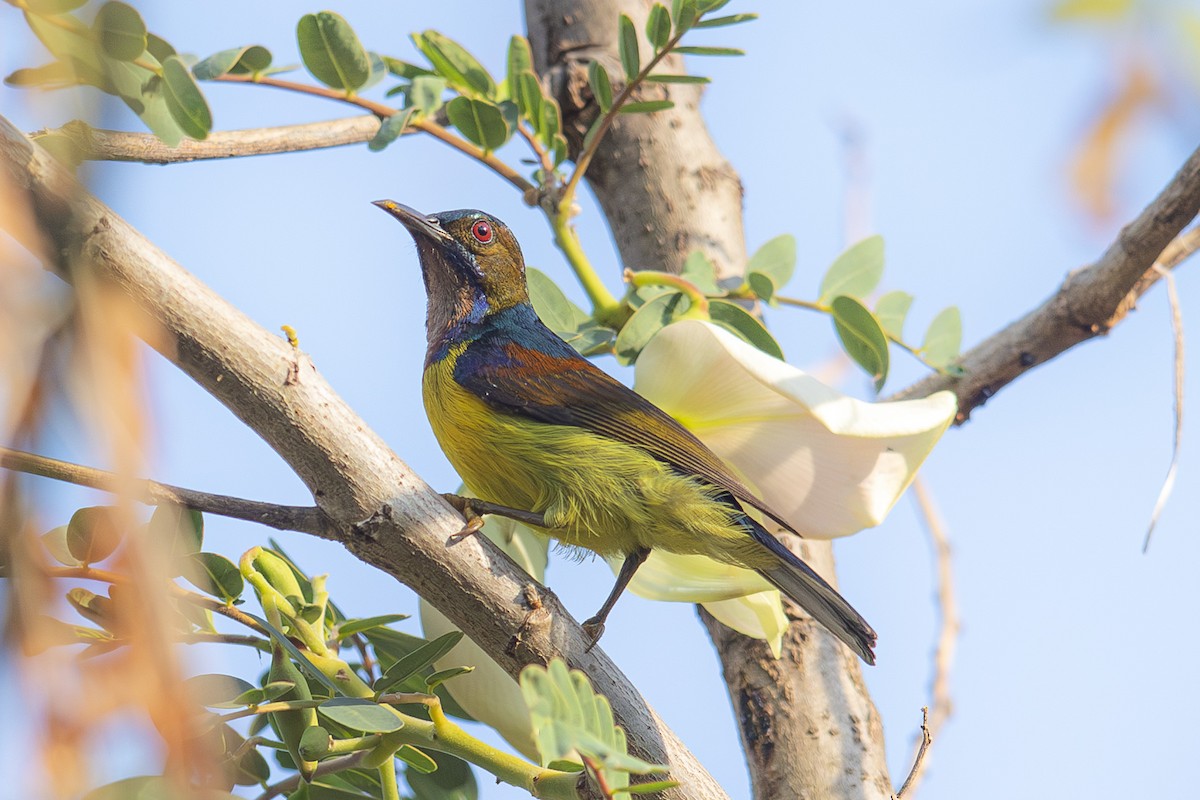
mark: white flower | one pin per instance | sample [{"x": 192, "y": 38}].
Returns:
[{"x": 830, "y": 464}]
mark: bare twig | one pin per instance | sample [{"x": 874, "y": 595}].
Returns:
[
  {"x": 919, "y": 761},
  {"x": 1089, "y": 302},
  {"x": 1179, "y": 375},
  {"x": 324, "y": 768},
  {"x": 305, "y": 519},
  {"x": 943, "y": 654}
]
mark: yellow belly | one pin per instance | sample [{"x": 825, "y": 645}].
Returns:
[{"x": 595, "y": 492}]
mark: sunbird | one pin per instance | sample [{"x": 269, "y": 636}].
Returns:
[{"x": 531, "y": 425}]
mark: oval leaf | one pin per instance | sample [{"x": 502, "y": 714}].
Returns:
[
  {"x": 855, "y": 272},
  {"x": 520, "y": 61},
  {"x": 441, "y": 676},
  {"x": 552, "y": 306},
  {"x": 684, "y": 12},
  {"x": 93, "y": 533},
  {"x": 944, "y": 337},
  {"x": 479, "y": 121},
  {"x": 627, "y": 45},
  {"x": 646, "y": 107},
  {"x": 421, "y": 658},
  {"x": 214, "y": 574},
  {"x": 353, "y": 626},
  {"x": 181, "y": 528},
  {"x": 55, "y": 541},
  {"x": 658, "y": 26},
  {"x": 891, "y": 309},
  {"x": 862, "y": 337},
  {"x": 184, "y": 99},
  {"x": 390, "y": 130},
  {"x": 416, "y": 759},
  {"x": 450, "y": 60},
  {"x": 776, "y": 259},
  {"x": 739, "y": 321},
  {"x": 647, "y": 321},
  {"x": 217, "y": 691},
  {"x": 359, "y": 714},
  {"x": 331, "y": 51},
  {"x": 120, "y": 31},
  {"x": 601, "y": 85}
]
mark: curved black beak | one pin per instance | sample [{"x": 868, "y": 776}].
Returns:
[{"x": 416, "y": 222}]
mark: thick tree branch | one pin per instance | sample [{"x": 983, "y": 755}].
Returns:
[
  {"x": 95, "y": 144},
  {"x": 1089, "y": 302},
  {"x": 392, "y": 519},
  {"x": 304, "y": 519}
]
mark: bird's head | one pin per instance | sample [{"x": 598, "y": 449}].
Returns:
[{"x": 471, "y": 262}]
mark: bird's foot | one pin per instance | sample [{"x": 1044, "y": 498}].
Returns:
[
  {"x": 474, "y": 522},
  {"x": 593, "y": 629}
]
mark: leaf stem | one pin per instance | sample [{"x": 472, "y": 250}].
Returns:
[
  {"x": 654, "y": 278},
  {"x": 605, "y": 308}
]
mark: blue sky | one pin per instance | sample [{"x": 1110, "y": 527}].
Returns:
[{"x": 1076, "y": 650}]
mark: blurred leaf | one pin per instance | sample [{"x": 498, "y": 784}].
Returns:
[
  {"x": 442, "y": 675},
  {"x": 479, "y": 121},
  {"x": 55, "y": 542},
  {"x": 1104, "y": 10},
  {"x": 70, "y": 41},
  {"x": 391, "y": 645},
  {"x": 425, "y": 94},
  {"x": 94, "y": 533},
  {"x": 891, "y": 309},
  {"x": 93, "y": 608},
  {"x": 709, "y": 51},
  {"x": 678, "y": 79},
  {"x": 709, "y": 6},
  {"x": 152, "y": 787},
  {"x": 360, "y": 714},
  {"x": 745, "y": 325},
  {"x": 250, "y": 768},
  {"x": 627, "y": 46},
  {"x": 416, "y": 661},
  {"x": 601, "y": 85},
  {"x": 699, "y": 269},
  {"x": 551, "y": 120},
  {"x": 552, "y": 306},
  {"x": 181, "y": 528},
  {"x": 647, "y": 321},
  {"x": 390, "y": 129},
  {"x": 214, "y": 574},
  {"x": 772, "y": 265},
  {"x": 658, "y": 26},
  {"x": 559, "y": 149},
  {"x": 146, "y": 94},
  {"x": 217, "y": 691},
  {"x": 684, "y": 12},
  {"x": 377, "y": 71},
  {"x": 455, "y": 64},
  {"x": 159, "y": 47},
  {"x": 647, "y": 107},
  {"x": 720, "y": 22},
  {"x": 862, "y": 337},
  {"x": 185, "y": 100},
  {"x": 856, "y": 272},
  {"x": 403, "y": 69},
  {"x": 353, "y": 626},
  {"x": 943, "y": 339},
  {"x": 529, "y": 99},
  {"x": 453, "y": 780},
  {"x": 520, "y": 62},
  {"x": 331, "y": 51},
  {"x": 418, "y": 760},
  {"x": 567, "y": 716},
  {"x": 54, "y": 75},
  {"x": 53, "y": 6},
  {"x": 120, "y": 30}
]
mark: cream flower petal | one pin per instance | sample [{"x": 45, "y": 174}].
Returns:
[
  {"x": 831, "y": 464},
  {"x": 690, "y": 578},
  {"x": 759, "y": 615}
]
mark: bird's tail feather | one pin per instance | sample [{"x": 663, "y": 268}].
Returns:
[{"x": 798, "y": 581}]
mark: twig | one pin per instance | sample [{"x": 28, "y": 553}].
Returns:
[
  {"x": 324, "y": 768},
  {"x": 1087, "y": 304},
  {"x": 917, "y": 767},
  {"x": 305, "y": 519},
  {"x": 943, "y": 654},
  {"x": 1177, "y": 334}
]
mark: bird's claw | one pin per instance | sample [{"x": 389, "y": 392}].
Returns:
[
  {"x": 593, "y": 629},
  {"x": 474, "y": 522}
]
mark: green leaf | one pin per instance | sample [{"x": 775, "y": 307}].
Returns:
[
  {"x": 891, "y": 309},
  {"x": 720, "y": 22},
  {"x": 425, "y": 94},
  {"x": 72, "y": 42},
  {"x": 53, "y": 6},
  {"x": 551, "y": 120},
  {"x": 479, "y": 121},
  {"x": 55, "y": 542},
  {"x": 772, "y": 265},
  {"x": 559, "y": 148},
  {"x": 658, "y": 26},
  {"x": 184, "y": 99},
  {"x": 146, "y": 94},
  {"x": 453, "y": 780},
  {"x": 217, "y": 691},
  {"x": 360, "y": 714},
  {"x": 529, "y": 99},
  {"x": 601, "y": 85},
  {"x": 94, "y": 533},
  {"x": 377, "y": 71},
  {"x": 181, "y": 528},
  {"x": 314, "y": 743},
  {"x": 862, "y": 337},
  {"x": 647, "y": 321},
  {"x": 152, "y": 787},
  {"x": 443, "y": 675},
  {"x": 238, "y": 60},
  {"x": 120, "y": 30},
  {"x": 553, "y": 307},
  {"x": 54, "y": 75},
  {"x": 214, "y": 574},
  {"x": 460, "y": 69},
  {"x": 944, "y": 337},
  {"x": 856, "y": 272},
  {"x": 293, "y": 651},
  {"x": 627, "y": 46},
  {"x": 709, "y": 6},
  {"x": 699, "y": 270},
  {"x": 677, "y": 79},
  {"x": 331, "y": 51},
  {"x": 159, "y": 47},
  {"x": 745, "y": 325},
  {"x": 416, "y": 661},
  {"x": 353, "y": 626},
  {"x": 403, "y": 69},
  {"x": 520, "y": 62},
  {"x": 684, "y": 12},
  {"x": 709, "y": 51},
  {"x": 390, "y": 130},
  {"x": 417, "y": 759},
  {"x": 591, "y": 339},
  {"x": 647, "y": 107}
]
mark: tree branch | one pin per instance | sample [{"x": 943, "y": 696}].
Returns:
[
  {"x": 1087, "y": 304},
  {"x": 394, "y": 520},
  {"x": 304, "y": 519}
]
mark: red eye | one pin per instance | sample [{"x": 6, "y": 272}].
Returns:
[{"x": 482, "y": 231}]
